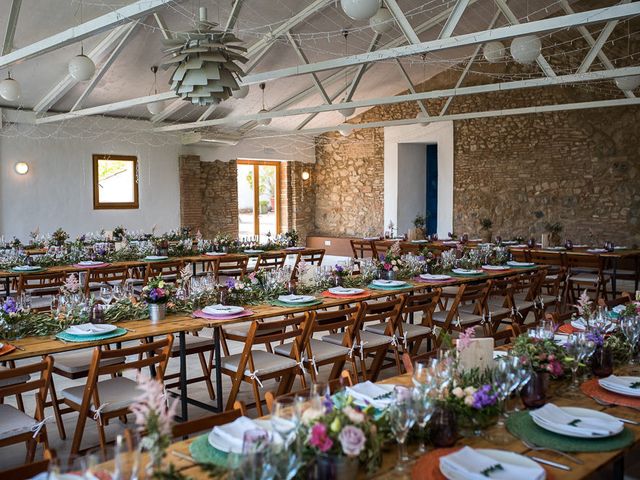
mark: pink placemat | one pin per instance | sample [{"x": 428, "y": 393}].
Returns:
[
  {"x": 98, "y": 265},
  {"x": 201, "y": 314}
]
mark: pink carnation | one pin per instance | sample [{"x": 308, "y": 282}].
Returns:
[{"x": 319, "y": 438}]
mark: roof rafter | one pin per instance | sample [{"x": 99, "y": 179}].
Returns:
[{"x": 12, "y": 22}]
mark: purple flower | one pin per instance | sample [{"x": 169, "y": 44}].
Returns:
[
  {"x": 339, "y": 268},
  {"x": 101, "y": 251},
  {"x": 352, "y": 440},
  {"x": 482, "y": 398},
  {"x": 9, "y": 305},
  {"x": 156, "y": 294},
  {"x": 231, "y": 283},
  {"x": 319, "y": 438},
  {"x": 327, "y": 403},
  {"x": 596, "y": 337}
]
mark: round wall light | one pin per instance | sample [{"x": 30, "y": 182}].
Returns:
[
  {"x": 21, "y": 168},
  {"x": 306, "y": 175}
]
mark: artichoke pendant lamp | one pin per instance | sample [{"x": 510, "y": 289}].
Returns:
[{"x": 205, "y": 62}]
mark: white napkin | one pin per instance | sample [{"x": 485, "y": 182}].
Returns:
[
  {"x": 619, "y": 308},
  {"x": 622, "y": 384},
  {"x": 371, "y": 393},
  {"x": 89, "y": 328},
  {"x": 296, "y": 298},
  {"x": 233, "y": 432},
  {"x": 469, "y": 464},
  {"x": 597, "y": 250},
  {"x": 593, "y": 427}
]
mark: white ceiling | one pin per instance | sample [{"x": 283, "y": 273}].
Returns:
[{"x": 320, "y": 38}]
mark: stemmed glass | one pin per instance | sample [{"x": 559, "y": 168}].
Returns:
[
  {"x": 578, "y": 347},
  {"x": 106, "y": 294},
  {"x": 421, "y": 373},
  {"x": 424, "y": 405},
  {"x": 521, "y": 367},
  {"x": 255, "y": 452},
  {"x": 629, "y": 328},
  {"x": 284, "y": 419},
  {"x": 118, "y": 292},
  {"x": 401, "y": 419},
  {"x": 503, "y": 378}
]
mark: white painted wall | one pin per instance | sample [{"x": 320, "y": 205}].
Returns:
[
  {"x": 440, "y": 133},
  {"x": 58, "y": 192},
  {"x": 412, "y": 179}
]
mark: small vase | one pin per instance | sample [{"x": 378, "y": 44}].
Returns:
[
  {"x": 157, "y": 311},
  {"x": 444, "y": 427},
  {"x": 534, "y": 393},
  {"x": 602, "y": 362},
  {"x": 334, "y": 467},
  {"x": 472, "y": 425},
  {"x": 388, "y": 275}
]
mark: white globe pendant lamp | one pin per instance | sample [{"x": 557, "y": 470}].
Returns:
[
  {"x": 630, "y": 82},
  {"x": 241, "y": 93},
  {"x": 526, "y": 49},
  {"x": 360, "y": 9},
  {"x": 347, "y": 112},
  {"x": 422, "y": 119},
  {"x": 382, "y": 21},
  {"x": 494, "y": 52},
  {"x": 10, "y": 89},
  {"x": 81, "y": 67}
]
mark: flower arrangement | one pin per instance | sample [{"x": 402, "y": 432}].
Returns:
[
  {"x": 473, "y": 400},
  {"x": 59, "y": 237},
  {"x": 585, "y": 307},
  {"x": 157, "y": 291},
  {"x": 391, "y": 261},
  {"x": 119, "y": 233},
  {"x": 620, "y": 348},
  {"x": 632, "y": 308},
  {"x": 154, "y": 417},
  {"x": 71, "y": 285},
  {"x": 292, "y": 238},
  {"x": 544, "y": 354},
  {"x": 342, "y": 430},
  {"x": 222, "y": 243}
]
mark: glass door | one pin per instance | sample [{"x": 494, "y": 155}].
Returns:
[{"x": 258, "y": 198}]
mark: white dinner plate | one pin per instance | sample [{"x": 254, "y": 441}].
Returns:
[
  {"x": 464, "y": 271},
  {"x": 26, "y": 268},
  {"x": 434, "y": 277},
  {"x": 90, "y": 263},
  {"x": 346, "y": 291},
  {"x": 597, "y": 250},
  {"x": 621, "y": 391},
  {"x": 221, "y": 444},
  {"x": 581, "y": 413},
  {"x": 222, "y": 309},
  {"x": 450, "y": 242},
  {"x": 388, "y": 283},
  {"x": 156, "y": 257},
  {"x": 295, "y": 248},
  {"x": 500, "y": 456},
  {"x": 215, "y": 254},
  {"x": 419, "y": 241},
  {"x": 495, "y": 267},
  {"x": 87, "y": 329},
  {"x": 293, "y": 299},
  {"x": 513, "y": 263},
  {"x": 251, "y": 250}
]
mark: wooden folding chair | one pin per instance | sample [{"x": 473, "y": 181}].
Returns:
[
  {"x": 205, "y": 424},
  {"x": 501, "y": 308},
  {"x": 253, "y": 366},
  {"x": 412, "y": 334},
  {"x": 270, "y": 260},
  {"x": 363, "y": 249},
  {"x": 453, "y": 318},
  {"x": 317, "y": 353},
  {"x": 41, "y": 286},
  {"x": 555, "y": 260},
  {"x": 623, "y": 299},
  {"x": 103, "y": 400},
  {"x": 30, "y": 470},
  {"x": 585, "y": 272},
  {"x": 16, "y": 426},
  {"x": 520, "y": 255},
  {"x": 230, "y": 266},
  {"x": 169, "y": 271},
  {"x": 410, "y": 248},
  {"x": 111, "y": 275},
  {"x": 310, "y": 257}
]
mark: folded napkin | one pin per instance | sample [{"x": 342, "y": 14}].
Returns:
[
  {"x": 551, "y": 414},
  {"x": 622, "y": 384},
  {"x": 471, "y": 464},
  {"x": 233, "y": 433},
  {"x": 371, "y": 393},
  {"x": 296, "y": 298},
  {"x": 89, "y": 328},
  {"x": 580, "y": 324}
]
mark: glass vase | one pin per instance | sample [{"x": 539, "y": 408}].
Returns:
[
  {"x": 534, "y": 393},
  {"x": 444, "y": 427},
  {"x": 334, "y": 467},
  {"x": 602, "y": 362}
]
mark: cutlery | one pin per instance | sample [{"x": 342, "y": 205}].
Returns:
[
  {"x": 130, "y": 330},
  {"x": 536, "y": 448},
  {"x": 561, "y": 466},
  {"x": 19, "y": 348},
  {"x": 188, "y": 458}
]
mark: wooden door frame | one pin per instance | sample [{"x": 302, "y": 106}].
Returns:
[{"x": 256, "y": 191}]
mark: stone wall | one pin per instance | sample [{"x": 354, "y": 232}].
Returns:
[
  {"x": 190, "y": 192},
  {"x": 219, "y": 182}
]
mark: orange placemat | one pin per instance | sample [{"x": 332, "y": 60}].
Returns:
[
  {"x": 428, "y": 466},
  {"x": 7, "y": 348},
  {"x": 593, "y": 389},
  {"x": 360, "y": 296},
  {"x": 568, "y": 329}
]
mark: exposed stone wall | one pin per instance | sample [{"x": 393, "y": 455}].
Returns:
[
  {"x": 190, "y": 192},
  {"x": 219, "y": 198}
]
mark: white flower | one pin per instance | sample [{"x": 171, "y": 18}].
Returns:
[
  {"x": 310, "y": 415},
  {"x": 395, "y": 269},
  {"x": 469, "y": 391},
  {"x": 458, "y": 392},
  {"x": 468, "y": 401},
  {"x": 354, "y": 415}
]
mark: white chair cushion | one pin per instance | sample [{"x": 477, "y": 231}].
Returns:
[
  {"x": 14, "y": 422},
  {"x": 412, "y": 330},
  {"x": 465, "y": 318},
  {"x": 584, "y": 278},
  {"x": 13, "y": 381},
  {"x": 265, "y": 362},
  {"x": 192, "y": 341},
  {"x": 321, "y": 350},
  {"x": 117, "y": 393},
  {"x": 373, "y": 340},
  {"x": 75, "y": 362}
]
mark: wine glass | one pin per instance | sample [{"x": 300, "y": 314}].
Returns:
[
  {"x": 401, "y": 419},
  {"x": 284, "y": 419},
  {"x": 106, "y": 294},
  {"x": 521, "y": 367},
  {"x": 421, "y": 373},
  {"x": 424, "y": 405},
  {"x": 255, "y": 450},
  {"x": 117, "y": 292},
  {"x": 575, "y": 349},
  {"x": 503, "y": 378}
]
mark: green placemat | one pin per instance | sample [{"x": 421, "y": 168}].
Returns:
[
  {"x": 380, "y": 287},
  {"x": 90, "y": 338},
  {"x": 202, "y": 452},
  {"x": 278, "y": 303},
  {"x": 522, "y": 426},
  {"x": 26, "y": 272},
  {"x": 468, "y": 275}
]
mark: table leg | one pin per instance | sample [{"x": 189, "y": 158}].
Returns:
[
  {"x": 218, "y": 360},
  {"x": 614, "y": 282},
  {"x": 184, "y": 405},
  {"x": 618, "y": 468},
  {"x": 152, "y": 367},
  {"x": 7, "y": 286},
  {"x": 637, "y": 272}
]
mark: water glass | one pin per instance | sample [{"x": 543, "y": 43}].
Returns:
[
  {"x": 424, "y": 405},
  {"x": 401, "y": 418},
  {"x": 117, "y": 292},
  {"x": 284, "y": 419},
  {"x": 106, "y": 294}
]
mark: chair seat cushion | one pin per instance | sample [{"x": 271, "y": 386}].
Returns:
[
  {"x": 115, "y": 393},
  {"x": 373, "y": 340},
  {"x": 333, "y": 338},
  {"x": 584, "y": 278},
  {"x": 75, "y": 362},
  {"x": 321, "y": 350},
  {"x": 465, "y": 318},
  {"x": 522, "y": 303},
  {"x": 14, "y": 422},
  {"x": 192, "y": 342},
  {"x": 412, "y": 330},
  {"x": 265, "y": 362},
  {"x": 628, "y": 274},
  {"x": 13, "y": 381}
]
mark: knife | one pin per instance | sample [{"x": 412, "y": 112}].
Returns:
[{"x": 561, "y": 466}]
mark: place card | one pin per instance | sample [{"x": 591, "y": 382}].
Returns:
[{"x": 478, "y": 354}]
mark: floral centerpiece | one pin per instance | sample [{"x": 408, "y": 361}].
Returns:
[
  {"x": 390, "y": 262},
  {"x": 292, "y": 238},
  {"x": 154, "y": 418},
  {"x": 157, "y": 294},
  {"x": 585, "y": 308},
  {"x": 341, "y": 435},
  {"x": 119, "y": 233},
  {"x": 222, "y": 243},
  {"x": 474, "y": 402},
  {"x": 59, "y": 237}
]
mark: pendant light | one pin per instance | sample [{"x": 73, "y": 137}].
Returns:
[
  {"x": 346, "y": 112},
  {"x": 155, "y": 107},
  {"x": 263, "y": 121},
  {"x": 360, "y": 9},
  {"x": 525, "y": 50},
  {"x": 382, "y": 21},
  {"x": 81, "y": 67},
  {"x": 9, "y": 88}
]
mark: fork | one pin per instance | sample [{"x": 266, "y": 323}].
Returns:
[{"x": 559, "y": 452}]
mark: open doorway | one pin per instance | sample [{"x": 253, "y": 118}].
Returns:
[{"x": 258, "y": 198}]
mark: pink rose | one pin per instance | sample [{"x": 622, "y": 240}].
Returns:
[
  {"x": 352, "y": 440},
  {"x": 319, "y": 438}
]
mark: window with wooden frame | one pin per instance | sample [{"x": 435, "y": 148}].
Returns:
[
  {"x": 258, "y": 198},
  {"x": 115, "y": 182}
]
